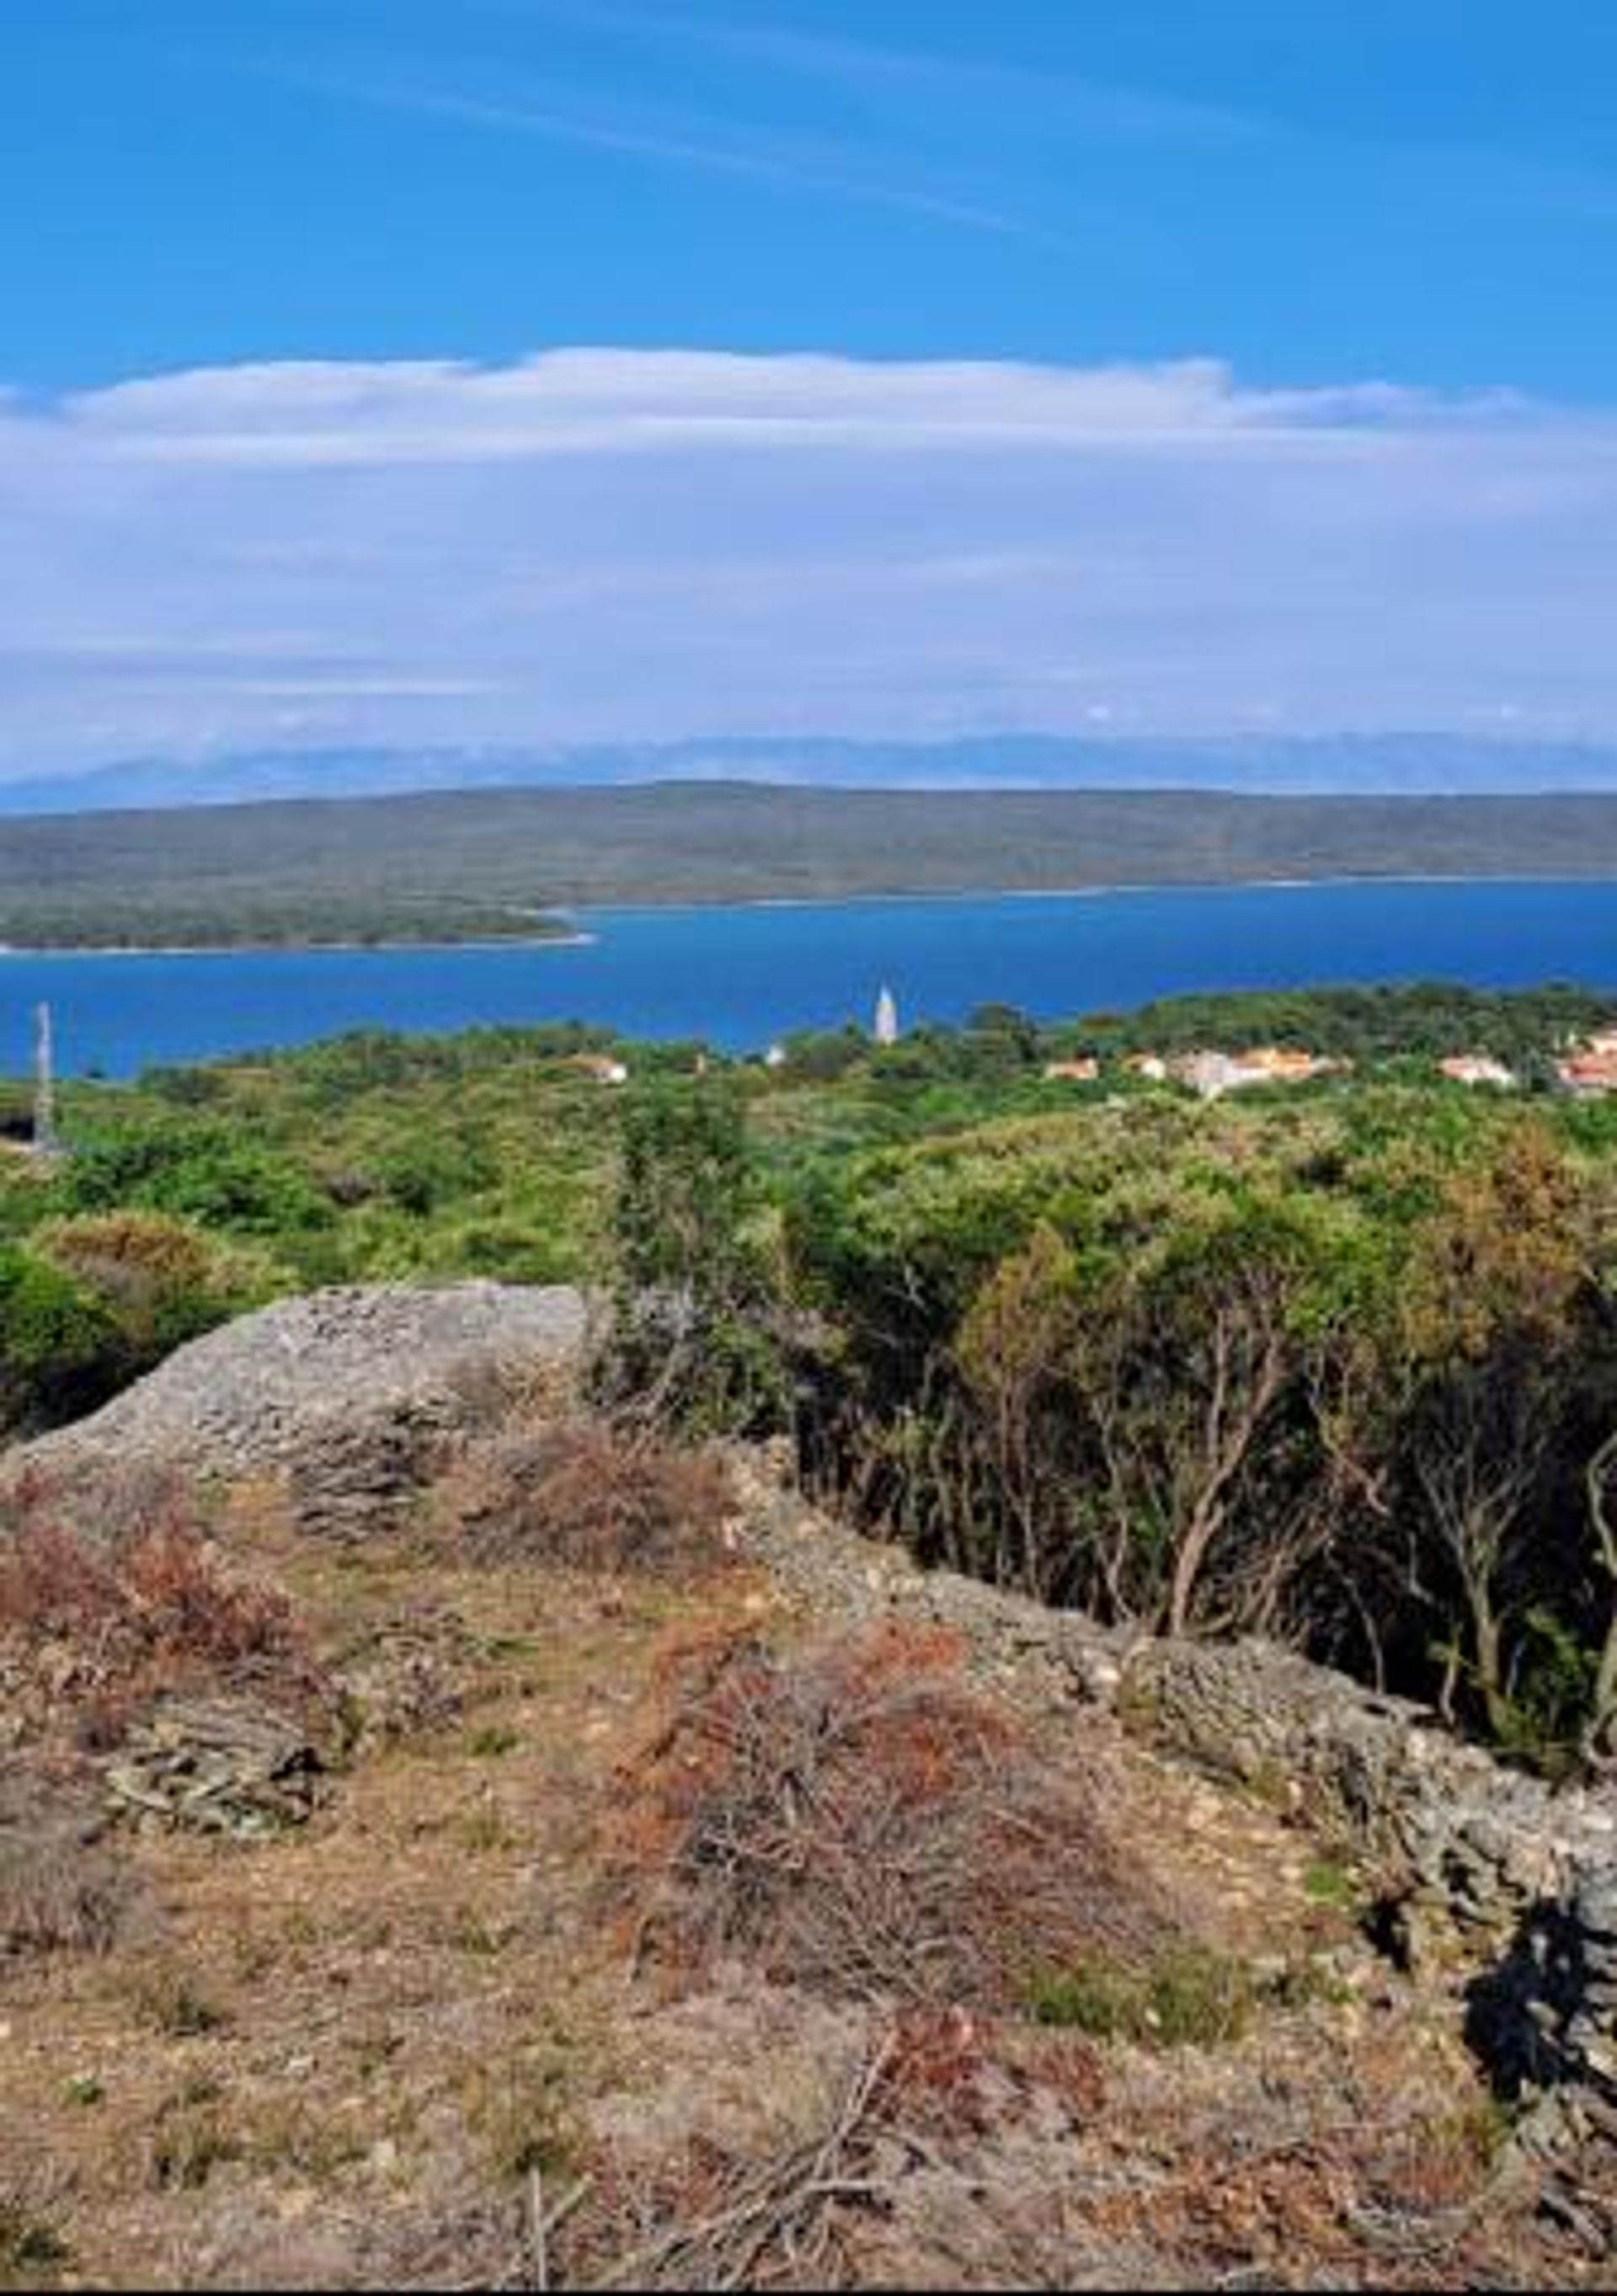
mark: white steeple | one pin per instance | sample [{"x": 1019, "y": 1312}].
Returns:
[
  {"x": 45, "y": 1139},
  {"x": 887, "y": 1018}
]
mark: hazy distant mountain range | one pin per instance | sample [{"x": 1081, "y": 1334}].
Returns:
[{"x": 1358, "y": 765}]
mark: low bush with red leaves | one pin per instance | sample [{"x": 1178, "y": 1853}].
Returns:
[
  {"x": 857, "y": 1818},
  {"x": 584, "y": 1495},
  {"x": 90, "y": 1626}
]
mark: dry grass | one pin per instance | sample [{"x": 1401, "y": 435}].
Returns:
[
  {"x": 61, "y": 1889},
  {"x": 856, "y": 1818},
  {"x": 33, "y": 2250},
  {"x": 583, "y": 1494}
]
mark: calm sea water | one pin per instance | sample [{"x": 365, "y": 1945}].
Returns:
[{"x": 739, "y": 977}]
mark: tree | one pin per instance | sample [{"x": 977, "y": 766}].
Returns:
[
  {"x": 1489, "y": 1364},
  {"x": 999, "y": 1040},
  {"x": 1185, "y": 1362},
  {"x": 692, "y": 1340},
  {"x": 1015, "y": 1352}
]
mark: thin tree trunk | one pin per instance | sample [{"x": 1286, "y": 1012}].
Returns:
[
  {"x": 1226, "y": 1452},
  {"x": 1603, "y": 1702}
]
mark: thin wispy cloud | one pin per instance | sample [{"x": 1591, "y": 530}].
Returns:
[
  {"x": 593, "y": 403},
  {"x": 905, "y": 83},
  {"x": 598, "y": 544},
  {"x": 761, "y": 158},
  {"x": 877, "y": 68}
]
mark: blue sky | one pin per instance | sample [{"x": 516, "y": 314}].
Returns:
[
  {"x": 1147, "y": 364},
  {"x": 1422, "y": 189}
]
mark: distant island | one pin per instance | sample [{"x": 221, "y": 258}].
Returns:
[{"x": 511, "y": 863}]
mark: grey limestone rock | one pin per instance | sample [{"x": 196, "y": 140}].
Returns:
[
  {"x": 344, "y": 1395},
  {"x": 222, "y": 1766}
]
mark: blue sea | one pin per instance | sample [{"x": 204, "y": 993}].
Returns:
[{"x": 739, "y": 977}]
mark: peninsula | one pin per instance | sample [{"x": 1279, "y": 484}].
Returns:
[{"x": 508, "y": 863}]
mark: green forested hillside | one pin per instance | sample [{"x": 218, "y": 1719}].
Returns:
[{"x": 470, "y": 865}]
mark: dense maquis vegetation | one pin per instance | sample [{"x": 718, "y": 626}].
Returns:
[
  {"x": 250, "y": 913},
  {"x": 1336, "y": 1362},
  {"x": 494, "y": 862}
]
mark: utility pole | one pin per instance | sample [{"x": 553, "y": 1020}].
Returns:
[{"x": 47, "y": 1140}]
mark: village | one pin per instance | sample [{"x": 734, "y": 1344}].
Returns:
[
  {"x": 1583, "y": 1069},
  {"x": 1586, "y": 1070}
]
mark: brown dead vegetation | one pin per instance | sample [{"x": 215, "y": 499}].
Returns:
[
  {"x": 584, "y": 1495},
  {"x": 854, "y": 1817},
  {"x": 398, "y": 2047},
  {"x": 95, "y": 1627},
  {"x": 725, "y": 2223}
]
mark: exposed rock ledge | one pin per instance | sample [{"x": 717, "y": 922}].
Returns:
[{"x": 346, "y": 1395}]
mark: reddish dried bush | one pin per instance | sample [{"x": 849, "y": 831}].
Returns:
[
  {"x": 108, "y": 1506},
  {"x": 935, "y": 2072},
  {"x": 1070, "y": 2069},
  {"x": 857, "y": 1818},
  {"x": 94, "y": 1625},
  {"x": 162, "y": 1594},
  {"x": 582, "y": 1495}
]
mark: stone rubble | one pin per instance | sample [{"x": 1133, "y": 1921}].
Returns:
[
  {"x": 346, "y": 1396},
  {"x": 221, "y": 1765}
]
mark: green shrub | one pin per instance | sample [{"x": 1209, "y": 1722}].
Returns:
[
  {"x": 1188, "y": 1997},
  {"x": 30, "y": 2246},
  {"x": 1327, "y": 1884},
  {"x": 160, "y": 1280},
  {"x": 205, "y": 1172},
  {"x": 61, "y": 1350}
]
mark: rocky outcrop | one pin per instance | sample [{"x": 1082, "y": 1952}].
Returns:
[
  {"x": 1037, "y": 1656},
  {"x": 1589, "y": 2036},
  {"x": 346, "y": 1396}
]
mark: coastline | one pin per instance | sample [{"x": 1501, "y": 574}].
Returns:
[
  {"x": 297, "y": 947},
  {"x": 1090, "y": 893},
  {"x": 581, "y": 937}
]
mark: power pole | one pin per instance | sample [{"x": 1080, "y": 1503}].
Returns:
[{"x": 47, "y": 1140}]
